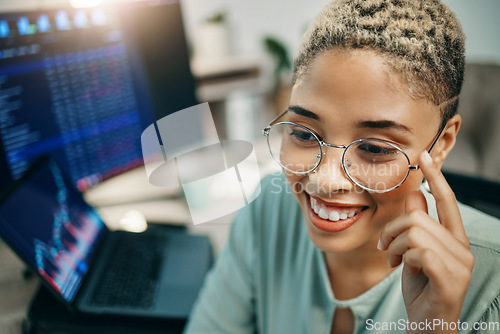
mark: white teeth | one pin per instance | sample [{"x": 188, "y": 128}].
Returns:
[
  {"x": 316, "y": 209},
  {"x": 322, "y": 214},
  {"x": 334, "y": 216},
  {"x": 314, "y": 205}
]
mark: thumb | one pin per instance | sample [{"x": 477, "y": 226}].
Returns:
[{"x": 415, "y": 201}]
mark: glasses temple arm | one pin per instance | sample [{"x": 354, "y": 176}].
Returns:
[
  {"x": 275, "y": 118},
  {"x": 437, "y": 137},
  {"x": 447, "y": 102},
  {"x": 416, "y": 167}
]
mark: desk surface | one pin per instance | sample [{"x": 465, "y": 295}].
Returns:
[{"x": 15, "y": 291}]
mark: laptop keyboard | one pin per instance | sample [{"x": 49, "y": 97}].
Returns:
[{"x": 131, "y": 277}]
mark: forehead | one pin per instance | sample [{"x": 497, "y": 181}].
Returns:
[{"x": 357, "y": 85}]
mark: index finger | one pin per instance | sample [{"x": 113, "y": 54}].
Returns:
[{"x": 446, "y": 203}]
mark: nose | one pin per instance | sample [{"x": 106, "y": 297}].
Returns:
[{"x": 330, "y": 175}]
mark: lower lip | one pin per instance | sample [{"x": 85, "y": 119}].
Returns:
[{"x": 331, "y": 226}]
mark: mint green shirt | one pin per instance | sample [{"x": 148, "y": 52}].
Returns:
[{"x": 270, "y": 278}]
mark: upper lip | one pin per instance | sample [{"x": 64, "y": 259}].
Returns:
[{"x": 338, "y": 204}]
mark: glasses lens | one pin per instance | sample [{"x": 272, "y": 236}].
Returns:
[
  {"x": 376, "y": 165},
  {"x": 294, "y": 147}
]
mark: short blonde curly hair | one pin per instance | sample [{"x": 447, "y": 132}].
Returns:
[{"x": 420, "y": 40}]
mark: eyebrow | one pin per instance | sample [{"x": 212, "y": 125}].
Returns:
[
  {"x": 379, "y": 124},
  {"x": 383, "y": 124},
  {"x": 304, "y": 112}
]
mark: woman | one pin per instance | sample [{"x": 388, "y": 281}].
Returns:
[{"x": 348, "y": 243}]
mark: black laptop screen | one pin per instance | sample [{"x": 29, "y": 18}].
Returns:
[{"x": 46, "y": 221}]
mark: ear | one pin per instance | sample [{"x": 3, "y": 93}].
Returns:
[{"x": 447, "y": 140}]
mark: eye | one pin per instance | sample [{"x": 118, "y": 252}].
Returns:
[
  {"x": 376, "y": 152},
  {"x": 374, "y": 149},
  {"x": 301, "y": 137}
]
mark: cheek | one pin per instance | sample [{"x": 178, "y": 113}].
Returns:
[{"x": 392, "y": 204}]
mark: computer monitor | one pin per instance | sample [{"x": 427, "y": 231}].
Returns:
[
  {"x": 82, "y": 84},
  {"x": 157, "y": 34}
]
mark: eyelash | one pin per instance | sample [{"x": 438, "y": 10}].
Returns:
[{"x": 320, "y": 137}]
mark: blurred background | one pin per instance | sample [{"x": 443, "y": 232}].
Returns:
[
  {"x": 235, "y": 55},
  {"x": 241, "y": 51}
]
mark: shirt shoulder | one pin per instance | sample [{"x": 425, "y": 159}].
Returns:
[
  {"x": 482, "y": 229},
  {"x": 288, "y": 270},
  {"x": 483, "y": 232},
  {"x": 278, "y": 218}
]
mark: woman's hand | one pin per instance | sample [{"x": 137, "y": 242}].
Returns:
[{"x": 437, "y": 260}]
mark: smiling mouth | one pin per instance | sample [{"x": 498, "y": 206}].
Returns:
[{"x": 334, "y": 212}]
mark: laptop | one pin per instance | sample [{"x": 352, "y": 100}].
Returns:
[{"x": 92, "y": 270}]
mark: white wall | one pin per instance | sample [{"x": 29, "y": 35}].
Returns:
[
  {"x": 13, "y": 5},
  {"x": 482, "y": 26},
  {"x": 250, "y": 20}
]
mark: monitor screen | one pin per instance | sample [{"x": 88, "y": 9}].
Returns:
[
  {"x": 78, "y": 84},
  {"x": 157, "y": 34},
  {"x": 58, "y": 234}
]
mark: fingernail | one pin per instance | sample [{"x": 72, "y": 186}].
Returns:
[
  {"x": 379, "y": 245},
  {"x": 426, "y": 157}
]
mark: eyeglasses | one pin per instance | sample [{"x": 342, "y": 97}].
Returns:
[{"x": 372, "y": 164}]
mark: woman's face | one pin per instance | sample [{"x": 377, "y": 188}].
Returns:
[{"x": 352, "y": 96}]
